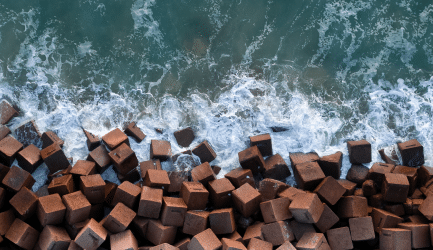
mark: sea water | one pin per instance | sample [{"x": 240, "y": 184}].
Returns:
[{"x": 326, "y": 71}]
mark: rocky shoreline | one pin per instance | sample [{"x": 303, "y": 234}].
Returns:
[{"x": 185, "y": 206}]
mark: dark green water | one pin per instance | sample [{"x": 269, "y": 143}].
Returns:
[{"x": 328, "y": 71}]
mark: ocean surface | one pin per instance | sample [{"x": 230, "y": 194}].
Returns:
[{"x": 326, "y": 71}]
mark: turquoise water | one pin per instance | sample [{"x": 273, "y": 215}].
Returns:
[{"x": 327, "y": 71}]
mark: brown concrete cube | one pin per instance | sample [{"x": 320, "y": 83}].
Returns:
[
  {"x": 74, "y": 246},
  {"x": 157, "y": 178},
  {"x": 22, "y": 234},
  {"x": 368, "y": 188},
  {"x": 253, "y": 232},
  {"x": 83, "y": 168},
  {"x": 115, "y": 138},
  {"x": 139, "y": 224},
  {"x": 340, "y": 238},
  {"x": 24, "y": 203},
  {"x": 359, "y": 151},
  {"x": 358, "y": 192},
  {"x": 420, "y": 234},
  {"x": 110, "y": 190},
  {"x": 411, "y": 174},
  {"x": 160, "y": 150},
  {"x": 16, "y": 178},
  {"x": 376, "y": 201},
  {"x": 132, "y": 176},
  {"x": 275, "y": 210},
  {"x": 74, "y": 229},
  {"x": 62, "y": 185},
  {"x": 419, "y": 219},
  {"x": 412, "y": 153},
  {"x": 327, "y": 220},
  {"x": 329, "y": 190},
  {"x": 229, "y": 244},
  {"x": 427, "y": 189},
  {"x": 426, "y": 208},
  {"x": 252, "y": 159},
  {"x": 298, "y": 158},
  {"x": 205, "y": 152},
  {"x": 54, "y": 158},
  {"x": 4, "y": 131},
  {"x": 159, "y": 234},
  {"x": 357, "y": 174},
  {"x": 395, "y": 187},
  {"x": 99, "y": 155},
  {"x": 277, "y": 233},
  {"x": 28, "y": 133},
  {"x": 395, "y": 239},
  {"x": 413, "y": 207},
  {"x": 9, "y": 148},
  {"x": 123, "y": 241},
  {"x": 181, "y": 245},
  {"x": 306, "y": 208},
  {"x": 308, "y": 175},
  {"x": 269, "y": 188},
  {"x": 222, "y": 221},
  {"x": 3, "y": 198},
  {"x": 77, "y": 207},
  {"x": 195, "y": 195},
  {"x": 151, "y": 164},
  {"x": 123, "y": 158},
  {"x": 299, "y": 229},
  {"x": 150, "y": 202},
  {"x": 352, "y": 206},
  {"x": 53, "y": 237},
  {"x": 3, "y": 171},
  {"x": 310, "y": 241},
  {"x": 378, "y": 170},
  {"x": 49, "y": 138},
  {"x": 348, "y": 185},
  {"x": 246, "y": 200},
  {"x": 276, "y": 168},
  {"x": 235, "y": 236},
  {"x": 163, "y": 246},
  {"x": 135, "y": 132},
  {"x": 51, "y": 210},
  {"x": 119, "y": 218},
  {"x": 203, "y": 173},
  {"x": 205, "y": 240},
  {"x": 291, "y": 193},
  {"x": 93, "y": 187},
  {"x": 286, "y": 246},
  {"x": 173, "y": 211},
  {"x": 263, "y": 142},
  {"x": 240, "y": 176},
  {"x": 128, "y": 194},
  {"x": 7, "y": 112},
  {"x": 196, "y": 221},
  {"x": 91, "y": 236},
  {"x": 257, "y": 244},
  {"x": 331, "y": 164},
  {"x": 425, "y": 173},
  {"x": 92, "y": 141},
  {"x": 361, "y": 228},
  {"x": 184, "y": 137},
  {"x": 176, "y": 179},
  {"x": 29, "y": 158},
  {"x": 6, "y": 220},
  {"x": 384, "y": 219}
]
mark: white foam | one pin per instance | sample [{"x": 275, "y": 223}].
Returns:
[{"x": 143, "y": 19}]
